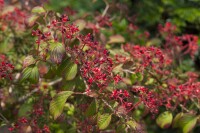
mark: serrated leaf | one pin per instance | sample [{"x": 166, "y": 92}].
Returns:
[
  {"x": 30, "y": 73},
  {"x": 71, "y": 71},
  {"x": 91, "y": 110},
  {"x": 58, "y": 103},
  {"x": 38, "y": 9},
  {"x": 164, "y": 120},
  {"x": 187, "y": 122},
  {"x": 104, "y": 121}
]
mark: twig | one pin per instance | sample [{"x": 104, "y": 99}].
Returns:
[
  {"x": 54, "y": 82},
  {"x": 184, "y": 108},
  {"x": 27, "y": 95},
  {"x": 126, "y": 70},
  {"x": 111, "y": 108},
  {"x": 196, "y": 104},
  {"x": 106, "y": 9},
  {"x": 4, "y": 118},
  {"x": 37, "y": 89}
]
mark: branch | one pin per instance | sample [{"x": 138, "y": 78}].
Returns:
[
  {"x": 106, "y": 9},
  {"x": 37, "y": 89},
  {"x": 4, "y": 118},
  {"x": 111, "y": 108}
]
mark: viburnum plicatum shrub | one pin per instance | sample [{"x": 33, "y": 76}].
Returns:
[{"x": 78, "y": 81}]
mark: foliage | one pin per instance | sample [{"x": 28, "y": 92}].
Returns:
[{"x": 97, "y": 68}]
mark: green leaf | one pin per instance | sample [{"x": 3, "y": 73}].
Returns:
[
  {"x": 92, "y": 109},
  {"x": 62, "y": 67},
  {"x": 121, "y": 128},
  {"x": 30, "y": 73},
  {"x": 104, "y": 121},
  {"x": 68, "y": 69},
  {"x": 164, "y": 120},
  {"x": 176, "y": 119},
  {"x": 71, "y": 71},
  {"x": 51, "y": 73},
  {"x": 58, "y": 103},
  {"x": 132, "y": 124},
  {"x": 5, "y": 45},
  {"x": 57, "y": 53},
  {"x": 24, "y": 109},
  {"x": 139, "y": 76},
  {"x": 187, "y": 122},
  {"x": 38, "y": 9},
  {"x": 34, "y": 77}
]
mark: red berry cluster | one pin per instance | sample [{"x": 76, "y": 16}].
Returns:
[
  {"x": 188, "y": 44},
  {"x": 41, "y": 36},
  {"x": 121, "y": 96},
  {"x": 33, "y": 124},
  {"x": 103, "y": 21},
  {"x": 185, "y": 92},
  {"x": 148, "y": 57},
  {"x": 150, "y": 99},
  {"x": 178, "y": 45},
  {"x": 5, "y": 68},
  {"x": 15, "y": 19},
  {"x": 96, "y": 65},
  {"x": 70, "y": 11},
  {"x": 67, "y": 31},
  {"x": 168, "y": 28}
]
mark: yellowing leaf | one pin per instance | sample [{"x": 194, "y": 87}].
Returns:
[
  {"x": 175, "y": 123},
  {"x": 30, "y": 21},
  {"x": 187, "y": 122},
  {"x": 29, "y": 60},
  {"x": 164, "y": 120},
  {"x": 8, "y": 9},
  {"x": 116, "y": 39},
  {"x": 80, "y": 23},
  {"x": 71, "y": 71},
  {"x": 132, "y": 124},
  {"x": 104, "y": 121},
  {"x": 38, "y": 9}
]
